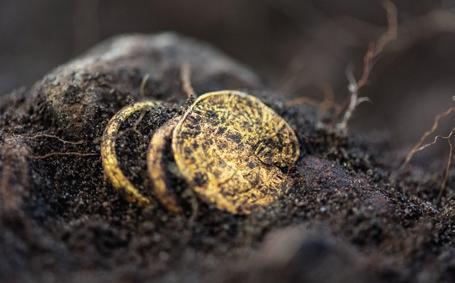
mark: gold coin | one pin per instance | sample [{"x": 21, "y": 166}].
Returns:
[
  {"x": 111, "y": 165},
  {"x": 233, "y": 150},
  {"x": 156, "y": 166}
]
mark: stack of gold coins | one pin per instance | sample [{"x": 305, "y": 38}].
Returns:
[{"x": 232, "y": 150}]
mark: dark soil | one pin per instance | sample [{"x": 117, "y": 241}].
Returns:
[{"x": 348, "y": 218}]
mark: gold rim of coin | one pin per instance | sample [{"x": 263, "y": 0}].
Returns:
[
  {"x": 232, "y": 149},
  {"x": 156, "y": 166},
  {"x": 109, "y": 158}
]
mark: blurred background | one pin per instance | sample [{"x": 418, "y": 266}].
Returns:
[{"x": 297, "y": 46}]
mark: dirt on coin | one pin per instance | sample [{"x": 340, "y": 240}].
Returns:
[{"x": 234, "y": 151}]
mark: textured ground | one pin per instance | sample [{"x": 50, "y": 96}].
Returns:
[{"x": 344, "y": 220}]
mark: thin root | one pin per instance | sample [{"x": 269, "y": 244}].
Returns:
[
  {"x": 445, "y": 177},
  {"x": 69, "y": 153},
  {"x": 143, "y": 84},
  {"x": 370, "y": 58},
  {"x": 419, "y": 145},
  {"x": 376, "y": 49},
  {"x": 354, "y": 102},
  {"x": 185, "y": 77},
  {"x": 42, "y": 135}
]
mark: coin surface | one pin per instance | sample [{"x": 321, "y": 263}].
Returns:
[{"x": 234, "y": 151}]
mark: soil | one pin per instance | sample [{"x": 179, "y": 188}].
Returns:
[{"x": 349, "y": 217}]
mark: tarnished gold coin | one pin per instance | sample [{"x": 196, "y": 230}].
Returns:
[
  {"x": 109, "y": 158},
  {"x": 156, "y": 166},
  {"x": 233, "y": 150}
]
